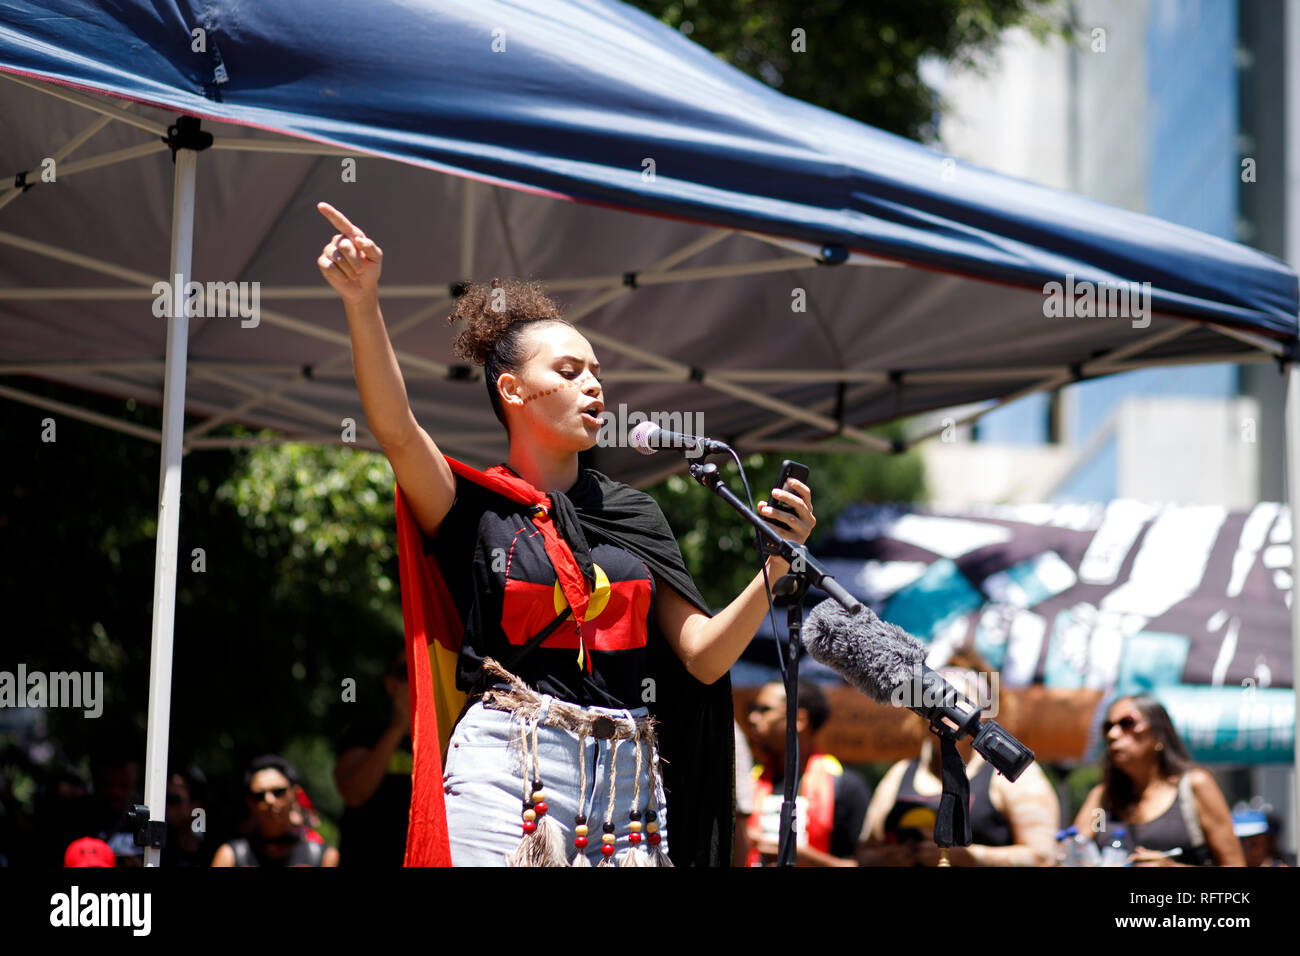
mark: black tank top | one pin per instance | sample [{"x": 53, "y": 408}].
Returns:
[
  {"x": 912, "y": 815},
  {"x": 1166, "y": 832},
  {"x": 305, "y": 853}
]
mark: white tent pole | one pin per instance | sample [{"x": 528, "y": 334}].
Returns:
[
  {"x": 9, "y": 195},
  {"x": 77, "y": 259},
  {"x": 310, "y": 412},
  {"x": 90, "y": 162},
  {"x": 1292, "y": 424},
  {"x": 103, "y": 106},
  {"x": 262, "y": 441},
  {"x": 143, "y": 365},
  {"x": 1269, "y": 346},
  {"x": 764, "y": 432},
  {"x": 819, "y": 447},
  {"x": 814, "y": 251},
  {"x": 287, "y": 147},
  {"x": 749, "y": 395},
  {"x": 312, "y": 330},
  {"x": 407, "y": 360},
  {"x": 81, "y": 414},
  {"x": 1143, "y": 344},
  {"x": 265, "y": 292},
  {"x": 462, "y": 439},
  {"x": 169, "y": 497},
  {"x": 337, "y": 361}
]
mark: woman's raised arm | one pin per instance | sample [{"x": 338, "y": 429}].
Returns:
[{"x": 351, "y": 263}]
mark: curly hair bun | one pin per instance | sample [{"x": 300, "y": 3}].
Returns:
[{"x": 488, "y": 312}]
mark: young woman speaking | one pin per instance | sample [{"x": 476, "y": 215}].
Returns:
[{"x": 564, "y": 599}]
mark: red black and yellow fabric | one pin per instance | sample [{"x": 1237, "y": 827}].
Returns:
[
  {"x": 495, "y": 564},
  {"x": 696, "y": 737},
  {"x": 817, "y": 787}
]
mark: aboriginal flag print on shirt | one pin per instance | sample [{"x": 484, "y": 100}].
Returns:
[
  {"x": 489, "y": 547},
  {"x": 443, "y": 613}
]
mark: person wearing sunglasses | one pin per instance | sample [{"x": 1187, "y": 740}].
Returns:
[
  {"x": 279, "y": 838},
  {"x": 1172, "y": 811}
]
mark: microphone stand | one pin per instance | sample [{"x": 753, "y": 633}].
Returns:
[{"x": 804, "y": 572}]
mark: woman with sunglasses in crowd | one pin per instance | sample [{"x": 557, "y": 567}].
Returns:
[
  {"x": 576, "y": 608},
  {"x": 279, "y": 836},
  {"x": 1172, "y": 812}
]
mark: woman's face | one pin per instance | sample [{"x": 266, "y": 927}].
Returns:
[
  {"x": 556, "y": 398},
  {"x": 1129, "y": 739}
]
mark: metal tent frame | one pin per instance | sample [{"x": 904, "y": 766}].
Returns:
[{"x": 248, "y": 380}]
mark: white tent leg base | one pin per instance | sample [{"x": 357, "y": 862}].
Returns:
[{"x": 169, "y": 500}]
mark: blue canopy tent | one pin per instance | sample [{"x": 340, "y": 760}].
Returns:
[{"x": 580, "y": 142}]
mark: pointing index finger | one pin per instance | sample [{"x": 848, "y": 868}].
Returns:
[{"x": 338, "y": 220}]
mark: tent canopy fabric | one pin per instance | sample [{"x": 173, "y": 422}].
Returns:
[{"x": 464, "y": 122}]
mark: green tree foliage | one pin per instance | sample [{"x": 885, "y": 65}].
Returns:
[
  {"x": 859, "y": 59},
  {"x": 297, "y": 592}
]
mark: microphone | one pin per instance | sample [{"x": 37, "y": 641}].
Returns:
[
  {"x": 648, "y": 438},
  {"x": 887, "y": 664}
]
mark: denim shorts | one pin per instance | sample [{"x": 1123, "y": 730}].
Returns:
[{"x": 484, "y": 784}]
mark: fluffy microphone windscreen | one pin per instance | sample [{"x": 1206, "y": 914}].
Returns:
[{"x": 872, "y": 655}]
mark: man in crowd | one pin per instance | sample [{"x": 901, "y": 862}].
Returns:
[{"x": 832, "y": 801}]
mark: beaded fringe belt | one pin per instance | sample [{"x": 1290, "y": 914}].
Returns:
[{"x": 543, "y": 839}]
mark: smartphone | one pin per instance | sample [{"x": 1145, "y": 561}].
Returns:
[{"x": 789, "y": 469}]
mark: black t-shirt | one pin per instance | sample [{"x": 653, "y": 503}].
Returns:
[
  {"x": 374, "y": 834},
  {"x": 495, "y": 564}
]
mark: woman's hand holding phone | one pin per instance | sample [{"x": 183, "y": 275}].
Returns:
[{"x": 790, "y": 511}]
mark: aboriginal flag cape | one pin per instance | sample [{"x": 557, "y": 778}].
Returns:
[{"x": 696, "y": 737}]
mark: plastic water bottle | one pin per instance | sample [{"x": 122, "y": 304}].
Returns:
[
  {"x": 1086, "y": 852},
  {"x": 1067, "y": 850},
  {"x": 1117, "y": 853}
]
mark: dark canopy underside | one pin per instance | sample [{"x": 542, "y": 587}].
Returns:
[{"x": 693, "y": 308}]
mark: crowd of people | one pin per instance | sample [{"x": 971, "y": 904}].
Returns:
[
  {"x": 77, "y": 825},
  {"x": 1164, "y": 809},
  {"x": 1153, "y": 805}
]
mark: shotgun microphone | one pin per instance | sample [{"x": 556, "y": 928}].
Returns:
[{"x": 888, "y": 665}]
